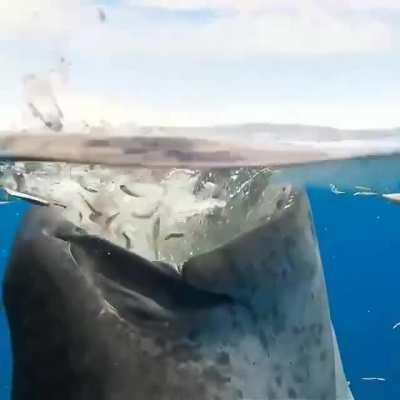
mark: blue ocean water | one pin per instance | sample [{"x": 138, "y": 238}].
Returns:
[
  {"x": 359, "y": 244},
  {"x": 10, "y": 218}
]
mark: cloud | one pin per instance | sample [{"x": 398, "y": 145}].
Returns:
[
  {"x": 245, "y": 6},
  {"x": 253, "y": 29},
  {"x": 41, "y": 19},
  {"x": 220, "y": 5},
  {"x": 239, "y": 27},
  {"x": 368, "y": 4}
]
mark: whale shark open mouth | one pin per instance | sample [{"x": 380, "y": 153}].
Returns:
[
  {"x": 150, "y": 211},
  {"x": 218, "y": 293}
]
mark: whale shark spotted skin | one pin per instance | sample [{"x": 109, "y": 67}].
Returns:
[{"x": 246, "y": 318}]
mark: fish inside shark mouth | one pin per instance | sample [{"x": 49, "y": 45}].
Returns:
[
  {"x": 226, "y": 302},
  {"x": 153, "y": 212}
]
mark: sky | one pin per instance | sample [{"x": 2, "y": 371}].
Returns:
[{"x": 204, "y": 62}]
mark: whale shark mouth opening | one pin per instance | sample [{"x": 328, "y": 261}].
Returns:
[{"x": 159, "y": 214}]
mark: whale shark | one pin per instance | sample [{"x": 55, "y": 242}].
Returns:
[{"x": 245, "y": 315}]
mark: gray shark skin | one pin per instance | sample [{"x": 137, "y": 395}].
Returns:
[{"x": 247, "y": 320}]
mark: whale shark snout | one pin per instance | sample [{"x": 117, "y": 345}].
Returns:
[{"x": 247, "y": 318}]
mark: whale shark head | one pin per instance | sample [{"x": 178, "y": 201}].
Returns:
[{"x": 232, "y": 306}]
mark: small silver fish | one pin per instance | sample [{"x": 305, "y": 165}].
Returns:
[
  {"x": 28, "y": 197},
  {"x": 156, "y": 234},
  {"x": 128, "y": 242},
  {"x": 89, "y": 189},
  {"x": 95, "y": 214},
  {"x": 335, "y": 190},
  {"x": 174, "y": 235},
  {"x": 363, "y": 188},
  {"x": 393, "y": 197},
  {"x": 111, "y": 218},
  {"x": 396, "y": 325},
  {"x": 365, "y": 194},
  {"x": 128, "y": 192},
  {"x": 373, "y": 378}
]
